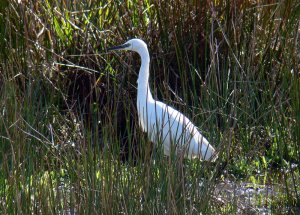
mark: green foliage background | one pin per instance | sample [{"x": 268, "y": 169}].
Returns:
[{"x": 69, "y": 139}]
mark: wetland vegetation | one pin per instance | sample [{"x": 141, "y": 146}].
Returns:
[{"x": 69, "y": 136}]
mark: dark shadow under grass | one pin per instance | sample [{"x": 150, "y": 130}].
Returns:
[{"x": 69, "y": 137}]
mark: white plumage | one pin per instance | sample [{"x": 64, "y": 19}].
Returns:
[{"x": 163, "y": 123}]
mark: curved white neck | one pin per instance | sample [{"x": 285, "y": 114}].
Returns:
[{"x": 143, "y": 79}]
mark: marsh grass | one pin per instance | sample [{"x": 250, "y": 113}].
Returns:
[{"x": 69, "y": 137}]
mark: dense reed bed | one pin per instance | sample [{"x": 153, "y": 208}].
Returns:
[{"x": 69, "y": 137}]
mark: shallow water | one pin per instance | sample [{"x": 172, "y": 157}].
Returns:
[
  {"x": 251, "y": 198},
  {"x": 245, "y": 196}
]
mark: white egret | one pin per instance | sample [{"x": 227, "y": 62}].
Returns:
[{"x": 163, "y": 123}]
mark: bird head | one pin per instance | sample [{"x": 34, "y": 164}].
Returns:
[{"x": 132, "y": 45}]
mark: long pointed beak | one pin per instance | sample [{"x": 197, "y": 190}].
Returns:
[{"x": 118, "y": 47}]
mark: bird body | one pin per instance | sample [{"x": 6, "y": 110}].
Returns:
[{"x": 164, "y": 124}]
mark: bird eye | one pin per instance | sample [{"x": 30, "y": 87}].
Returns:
[{"x": 127, "y": 45}]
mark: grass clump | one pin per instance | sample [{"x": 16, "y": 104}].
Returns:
[{"x": 69, "y": 138}]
